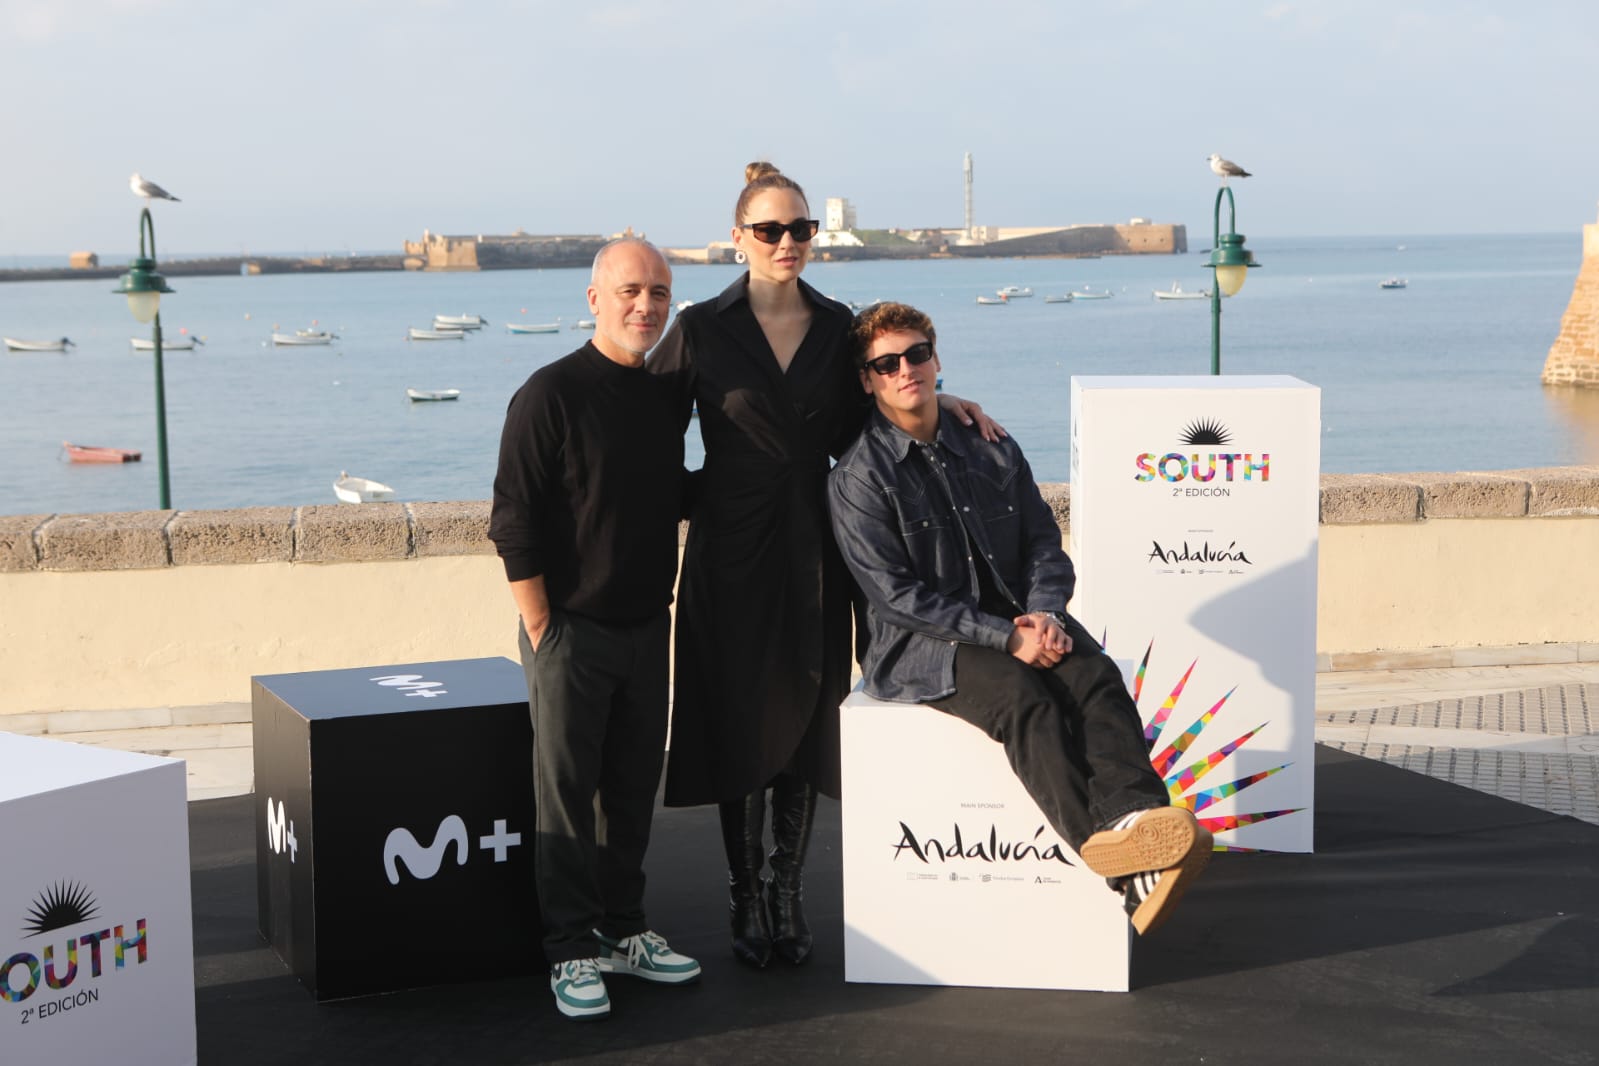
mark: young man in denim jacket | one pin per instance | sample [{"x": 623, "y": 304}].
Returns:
[{"x": 961, "y": 563}]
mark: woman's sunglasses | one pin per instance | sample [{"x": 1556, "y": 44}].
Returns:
[
  {"x": 915, "y": 355},
  {"x": 801, "y": 229}
]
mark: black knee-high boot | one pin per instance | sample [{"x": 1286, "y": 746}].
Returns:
[
  {"x": 793, "y": 811},
  {"x": 741, "y": 838}
]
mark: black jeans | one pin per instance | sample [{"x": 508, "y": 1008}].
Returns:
[
  {"x": 1072, "y": 732},
  {"x": 597, "y": 695}
]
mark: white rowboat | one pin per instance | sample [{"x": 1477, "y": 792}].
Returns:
[
  {"x": 435, "y": 334},
  {"x": 992, "y": 301},
  {"x": 294, "y": 340},
  {"x": 360, "y": 489},
  {"x": 176, "y": 344},
  {"x": 427, "y": 395},
  {"x": 1176, "y": 292},
  {"x": 459, "y": 321},
  {"x": 1058, "y": 299},
  {"x": 533, "y": 327},
  {"x": 37, "y": 346},
  {"x": 1014, "y": 292}
]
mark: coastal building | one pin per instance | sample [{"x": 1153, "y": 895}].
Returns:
[
  {"x": 515, "y": 250},
  {"x": 1574, "y": 357},
  {"x": 840, "y": 215},
  {"x": 83, "y": 261}
]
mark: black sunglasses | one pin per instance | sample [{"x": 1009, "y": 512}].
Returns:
[
  {"x": 915, "y": 355},
  {"x": 801, "y": 229}
]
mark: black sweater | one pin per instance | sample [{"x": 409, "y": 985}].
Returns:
[{"x": 588, "y": 487}]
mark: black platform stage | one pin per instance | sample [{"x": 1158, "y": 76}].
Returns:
[{"x": 1433, "y": 925}]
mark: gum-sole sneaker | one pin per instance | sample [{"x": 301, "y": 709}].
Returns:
[
  {"x": 1151, "y": 897},
  {"x": 1158, "y": 839}
]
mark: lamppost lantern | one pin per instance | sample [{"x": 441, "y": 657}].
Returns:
[
  {"x": 1231, "y": 261},
  {"x": 143, "y": 288}
]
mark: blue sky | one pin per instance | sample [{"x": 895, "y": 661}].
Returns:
[{"x": 353, "y": 124}]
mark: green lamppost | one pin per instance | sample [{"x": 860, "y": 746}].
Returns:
[
  {"x": 143, "y": 288},
  {"x": 1231, "y": 261}
]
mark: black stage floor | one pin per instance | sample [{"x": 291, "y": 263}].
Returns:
[{"x": 1433, "y": 925}]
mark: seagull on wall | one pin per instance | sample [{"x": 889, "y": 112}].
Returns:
[
  {"x": 1225, "y": 168},
  {"x": 149, "y": 190}
]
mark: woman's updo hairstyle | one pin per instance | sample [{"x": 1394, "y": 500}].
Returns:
[{"x": 758, "y": 177}]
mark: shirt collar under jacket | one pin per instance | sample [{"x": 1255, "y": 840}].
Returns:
[{"x": 899, "y": 442}]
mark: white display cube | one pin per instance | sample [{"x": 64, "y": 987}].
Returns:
[
  {"x": 1194, "y": 521},
  {"x": 952, "y": 875},
  {"x": 96, "y": 933}
]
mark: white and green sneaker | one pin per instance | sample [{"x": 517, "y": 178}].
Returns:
[
  {"x": 579, "y": 989},
  {"x": 646, "y": 955}
]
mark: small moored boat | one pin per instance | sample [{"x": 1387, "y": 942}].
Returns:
[
  {"x": 459, "y": 321},
  {"x": 1393, "y": 283},
  {"x": 992, "y": 301},
  {"x": 89, "y": 453},
  {"x": 432, "y": 395},
  {"x": 302, "y": 339},
  {"x": 1066, "y": 299},
  {"x": 37, "y": 346},
  {"x": 1015, "y": 291},
  {"x": 1085, "y": 293},
  {"x": 360, "y": 489},
  {"x": 175, "y": 344},
  {"x": 435, "y": 334},
  {"x": 584, "y": 323},
  {"x": 533, "y": 327},
  {"x": 1177, "y": 292}
]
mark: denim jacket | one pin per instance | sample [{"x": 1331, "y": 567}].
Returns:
[{"x": 904, "y": 514}]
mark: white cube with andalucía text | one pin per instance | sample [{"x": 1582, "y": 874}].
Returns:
[
  {"x": 1194, "y": 511},
  {"x": 952, "y": 875},
  {"x": 96, "y": 933}
]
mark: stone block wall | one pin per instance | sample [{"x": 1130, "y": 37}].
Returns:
[{"x": 1574, "y": 357}]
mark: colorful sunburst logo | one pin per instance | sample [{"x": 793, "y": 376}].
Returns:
[
  {"x": 1180, "y": 780},
  {"x": 60, "y": 905}
]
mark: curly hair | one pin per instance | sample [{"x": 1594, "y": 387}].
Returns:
[{"x": 888, "y": 317}]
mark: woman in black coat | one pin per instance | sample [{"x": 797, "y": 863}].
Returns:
[{"x": 764, "y": 600}]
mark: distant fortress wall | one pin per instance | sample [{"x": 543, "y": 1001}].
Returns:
[
  {"x": 515, "y": 251},
  {"x": 1574, "y": 357}
]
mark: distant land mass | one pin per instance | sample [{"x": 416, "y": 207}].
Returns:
[{"x": 522, "y": 251}]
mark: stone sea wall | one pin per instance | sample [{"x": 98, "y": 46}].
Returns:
[{"x": 169, "y": 608}]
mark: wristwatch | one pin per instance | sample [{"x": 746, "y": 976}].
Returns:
[{"x": 1058, "y": 617}]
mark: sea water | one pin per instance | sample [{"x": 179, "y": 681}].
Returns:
[{"x": 1441, "y": 375}]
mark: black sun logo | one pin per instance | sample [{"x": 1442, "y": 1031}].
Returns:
[
  {"x": 59, "y": 906},
  {"x": 1207, "y": 431}
]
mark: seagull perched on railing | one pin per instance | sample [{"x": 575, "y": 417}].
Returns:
[
  {"x": 149, "y": 190},
  {"x": 1225, "y": 168}
]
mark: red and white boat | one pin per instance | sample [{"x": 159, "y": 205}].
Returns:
[{"x": 88, "y": 453}]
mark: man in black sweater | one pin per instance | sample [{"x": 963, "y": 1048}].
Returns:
[{"x": 586, "y": 505}]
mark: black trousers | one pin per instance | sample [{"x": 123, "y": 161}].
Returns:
[
  {"x": 597, "y": 694},
  {"x": 1072, "y": 732}
]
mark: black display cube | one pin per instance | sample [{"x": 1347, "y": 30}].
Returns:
[{"x": 394, "y": 831}]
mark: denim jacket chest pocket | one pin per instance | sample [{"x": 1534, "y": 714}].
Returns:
[
  {"x": 934, "y": 539},
  {"x": 991, "y": 492}
]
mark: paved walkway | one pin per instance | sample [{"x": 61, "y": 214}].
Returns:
[{"x": 1524, "y": 733}]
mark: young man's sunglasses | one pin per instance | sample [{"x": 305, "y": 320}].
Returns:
[
  {"x": 801, "y": 229},
  {"x": 915, "y": 355}
]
